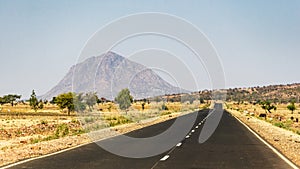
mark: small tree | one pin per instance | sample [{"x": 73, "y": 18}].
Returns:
[
  {"x": 53, "y": 100},
  {"x": 45, "y": 101},
  {"x": 291, "y": 107},
  {"x": 33, "y": 101},
  {"x": 267, "y": 106},
  {"x": 124, "y": 99},
  {"x": 143, "y": 106},
  {"x": 11, "y": 98},
  {"x": 164, "y": 107},
  {"x": 79, "y": 102},
  {"x": 41, "y": 104},
  {"x": 71, "y": 101},
  {"x": 65, "y": 100},
  {"x": 91, "y": 99}
]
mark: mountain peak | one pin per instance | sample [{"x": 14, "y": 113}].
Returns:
[
  {"x": 108, "y": 74},
  {"x": 112, "y": 58}
]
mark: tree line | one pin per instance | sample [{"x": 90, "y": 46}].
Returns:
[
  {"x": 85, "y": 101},
  {"x": 71, "y": 101}
]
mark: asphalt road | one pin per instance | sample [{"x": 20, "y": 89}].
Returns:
[{"x": 231, "y": 146}]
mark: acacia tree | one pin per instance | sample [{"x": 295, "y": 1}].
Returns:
[
  {"x": 71, "y": 101},
  {"x": 291, "y": 107},
  {"x": 11, "y": 98},
  {"x": 267, "y": 106},
  {"x": 124, "y": 99},
  {"x": 65, "y": 100}
]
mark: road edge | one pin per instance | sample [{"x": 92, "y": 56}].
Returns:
[{"x": 284, "y": 158}]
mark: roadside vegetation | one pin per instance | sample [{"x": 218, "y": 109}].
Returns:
[
  {"x": 281, "y": 115},
  {"x": 69, "y": 114}
]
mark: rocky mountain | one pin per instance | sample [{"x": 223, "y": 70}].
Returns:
[{"x": 109, "y": 73}]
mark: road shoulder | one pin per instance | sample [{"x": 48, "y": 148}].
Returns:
[{"x": 286, "y": 142}]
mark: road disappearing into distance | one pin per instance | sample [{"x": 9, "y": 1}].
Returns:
[{"x": 232, "y": 145}]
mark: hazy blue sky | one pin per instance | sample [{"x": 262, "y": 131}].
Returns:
[{"x": 258, "y": 41}]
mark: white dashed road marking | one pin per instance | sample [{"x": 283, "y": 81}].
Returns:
[
  {"x": 164, "y": 158},
  {"x": 178, "y": 145}
]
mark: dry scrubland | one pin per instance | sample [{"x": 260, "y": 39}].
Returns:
[
  {"x": 22, "y": 128},
  {"x": 281, "y": 117}
]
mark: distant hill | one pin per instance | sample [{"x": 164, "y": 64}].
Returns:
[
  {"x": 109, "y": 73},
  {"x": 274, "y": 93}
]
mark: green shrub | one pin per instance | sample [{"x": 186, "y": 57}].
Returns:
[
  {"x": 89, "y": 119},
  {"x": 165, "y": 113},
  {"x": 35, "y": 140},
  {"x": 79, "y": 131},
  {"x": 62, "y": 130},
  {"x": 279, "y": 124},
  {"x": 285, "y": 125},
  {"x": 52, "y": 137},
  {"x": 164, "y": 107},
  {"x": 44, "y": 122},
  {"x": 74, "y": 121},
  {"x": 117, "y": 120}
]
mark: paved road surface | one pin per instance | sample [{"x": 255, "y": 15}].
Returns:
[{"x": 231, "y": 146}]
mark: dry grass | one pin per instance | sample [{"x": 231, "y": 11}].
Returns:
[
  {"x": 22, "y": 127},
  {"x": 25, "y": 108},
  {"x": 14, "y": 121},
  {"x": 281, "y": 117}
]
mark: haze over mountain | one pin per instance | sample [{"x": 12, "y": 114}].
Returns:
[{"x": 109, "y": 73}]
